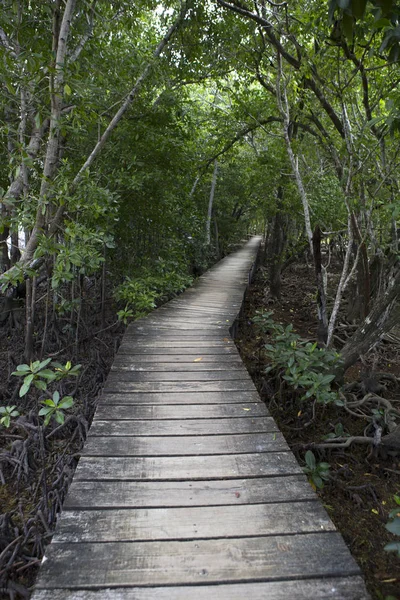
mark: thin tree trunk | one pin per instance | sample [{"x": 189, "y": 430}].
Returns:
[
  {"x": 384, "y": 315},
  {"x": 321, "y": 292},
  {"x": 210, "y": 203},
  {"x": 52, "y": 150},
  {"x": 30, "y": 318},
  {"x": 103, "y": 289}
]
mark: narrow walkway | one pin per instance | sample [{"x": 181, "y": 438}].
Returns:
[{"x": 186, "y": 489}]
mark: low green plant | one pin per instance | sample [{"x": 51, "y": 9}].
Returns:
[
  {"x": 394, "y": 527},
  {"x": 40, "y": 376},
  {"x": 7, "y": 412},
  {"x": 54, "y": 407},
  {"x": 338, "y": 432},
  {"x": 303, "y": 365},
  {"x": 142, "y": 293},
  {"x": 317, "y": 472}
]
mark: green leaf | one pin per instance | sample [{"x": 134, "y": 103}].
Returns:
[
  {"x": 26, "y": 385},
  {"x": 59, "y": 416},
  {"x": 47, "y": 374},
  {"x": 67, "y": 90},
  {"x": 393, "y": 547},
  {"x": 44, "y": 363},
  {"x": 394, "y": 526},
  {"x": 318, "y": 481},
  {"x": 358, "y": 8},
  {"x": 41, "y": 385},
  {"x": 47, "y": 418},
  {"x": 56, "y": 397},
  {"x": 324, "y": 466},
  {"x": 310, "y": 459},
  {"x": 5, "y": 421},
  {"x": 66, "y": 402},
  {"x": 45, "y": 411},
  {"x": 48, "y": 402},
  {"x": 380, "y": 23},
  {"x": 348, "y": 25}
]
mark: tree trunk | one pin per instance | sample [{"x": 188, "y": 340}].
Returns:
[
  {"x": 276, "y": 248},
  {"x": 210, "y": 203},
  {"x": 4, "y": 256},
  {"x": 321, "y": 293},
  {"x": 383, "y": 317}
]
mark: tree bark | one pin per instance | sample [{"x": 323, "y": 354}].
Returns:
[
  {"x": 384, "y": 315},
  {"x": 210, "y": 203}
]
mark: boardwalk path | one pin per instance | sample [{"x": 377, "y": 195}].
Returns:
[{"x": 186, "y": 489}]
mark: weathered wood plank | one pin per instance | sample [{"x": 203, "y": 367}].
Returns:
[
  {"x": 147, "y": 494},
  {"x": 349, "y": 588},
  {"x": 159, "y": 343},
  {"x": 236, "y": 385},
  {"x": 174, "y": 411},
  {"x": 178, "y": 427},
  {"x": 189, "y": 327},
  {"x": 130, "y": 347},
  {"x": 188, "y": 375},
  {"x": 190, "y": 523},
  {"x": 130, "y": 364},
  {"x": 187, "y": 467},
  {"x": 228, "y": 397},
  {"x": 180, "y": 336},
  {"x": 184, "y": 445},
  {"x": 160, "y": 359},
  {"x": 269, "y": 558}
]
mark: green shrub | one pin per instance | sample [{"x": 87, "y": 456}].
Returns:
[{"x": 302, "y": 365}]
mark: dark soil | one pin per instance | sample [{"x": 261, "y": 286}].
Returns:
[
  {"x": 35, "y": 479},
  {"x": 359, "y": 495}
]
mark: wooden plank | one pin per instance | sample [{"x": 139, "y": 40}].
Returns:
[
  {"x": 190, "y": 523},
  {"x": 147, "y": 494},
  {"x": 187, "y": 325},
  {"x": 131, "y": 364},
  {"x": 228, "y": 397},
  {"x": 184, "y": 445},
  {"x": 130, "y": 347},
  {"x": 349, "y": 588},
  {"x": 160, "y": 359},
  {"x": 188, "y": 375},
  {"x": 176, "y": 411},
  {"x": 166, "y": 334},
  {"x": 116, "y": 564},
  {"x": 159, "y": 343},
  {"x": 162, "y": 468},
  {"x": 184, "y": 427},
  {"x": 180, "y": 386}
]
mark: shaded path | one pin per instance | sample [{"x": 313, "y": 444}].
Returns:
[{"x": 186, "y": 488}]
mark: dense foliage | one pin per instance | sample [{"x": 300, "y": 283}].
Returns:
[{"x": 142, "y": 141}]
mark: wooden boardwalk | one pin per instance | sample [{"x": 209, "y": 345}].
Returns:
[{"x": 186, "y": 489}]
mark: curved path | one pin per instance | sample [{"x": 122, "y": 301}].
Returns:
[{"x": 186, "y": 489}]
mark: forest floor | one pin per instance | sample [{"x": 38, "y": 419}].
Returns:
[
  {"x": 359, "y": 494},
  {"x": 37, "y": 463}
]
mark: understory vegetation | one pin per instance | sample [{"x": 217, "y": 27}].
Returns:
[{"x": 140, "y": 143}]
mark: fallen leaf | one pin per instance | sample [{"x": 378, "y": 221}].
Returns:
[
  {"x": 237, "y": 494},
  {"x": 198, "y": 359},
  {"x": 374, "y": 511}
]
